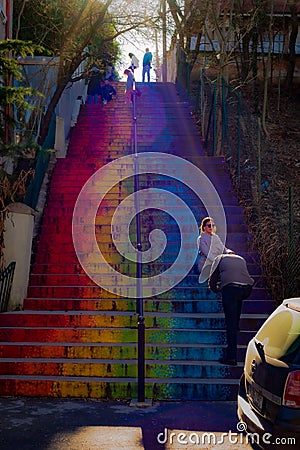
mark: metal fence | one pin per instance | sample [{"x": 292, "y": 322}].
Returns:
[
  {"x": 33, "y": 191},
  {"x": 6, "y": 279},
  {"x": 228, "y": 127},
  {"x": 41, "y": 73}
]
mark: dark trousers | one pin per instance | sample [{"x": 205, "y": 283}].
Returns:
[
  {"x": 232, "y": 300},
  {"x": 146, "y": 71}
]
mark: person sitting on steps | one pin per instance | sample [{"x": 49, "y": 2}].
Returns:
[
  {"x": 107, "y": 92},
  {"x": 210, "y": 246}
]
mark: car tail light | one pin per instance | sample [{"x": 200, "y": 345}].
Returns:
[{"x": 291, "y": 395}]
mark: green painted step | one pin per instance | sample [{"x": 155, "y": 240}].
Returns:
[
  {"x": 115, "y": 350},
  {"x": 125, "y": 368},
  {"x": 126, "y": 320},
  {"x": 107, "y": 388},
  {"x": 179, "y": 305},
  {"x": 100, "y": 334}
]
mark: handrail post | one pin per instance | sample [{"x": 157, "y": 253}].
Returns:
[
  {"x": 214, "y": 119},
  {"x": 239, "y": 141},
  {"x": 291, "y": 285},
  {"x": 259, "y": 172}
]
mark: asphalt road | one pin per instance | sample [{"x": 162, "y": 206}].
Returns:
[{"x": 64, "y": 424}]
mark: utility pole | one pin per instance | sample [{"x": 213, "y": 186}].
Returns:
[
  {"x": 157, "y": 61},
  {"x": 164, "y": 39}
]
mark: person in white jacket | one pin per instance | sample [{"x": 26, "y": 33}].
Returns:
[
  {"x": 210, "y": 246},
  {"x": 134, "y": 62}
]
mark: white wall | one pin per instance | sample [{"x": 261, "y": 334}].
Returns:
[
  {"x": 18, "y": 241},
  {"x": 66, "y": 114}
]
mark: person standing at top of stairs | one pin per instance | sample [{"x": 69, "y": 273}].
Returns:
[
  {"x": 134, "y": 62},
  {"x": 147, "y": 60},
  {"x": 94, "y": 86}
]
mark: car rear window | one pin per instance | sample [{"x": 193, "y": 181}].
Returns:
[{"x": 280, "y": 334}]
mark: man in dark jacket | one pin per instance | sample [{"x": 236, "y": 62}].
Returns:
[
  {"x": 107, "y": 92},
  {"x": 229, "y": 275},
  {"x": 94, "y": 88}
]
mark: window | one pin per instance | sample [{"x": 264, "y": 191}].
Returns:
[
  {"x": 280, "y": 333},
  {"x": 3, "y": 17}
]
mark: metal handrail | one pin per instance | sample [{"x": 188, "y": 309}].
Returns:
[
  {"x": 6, "y": 280},
  {"x": 139, "y": 286}
]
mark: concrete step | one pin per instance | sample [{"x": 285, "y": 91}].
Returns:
[
  {"x": 233, "y": 228},
  {"x": 125, "y": 388},
  {"x": 94, "y": 164},
  {"x": 123, "y": 368},
  {"x": 178, "y": 294},
  {"x": 64, "y": 268},
  {"x": 93, "y": 260},
  {"x": 116, "y": 350},
  {"x": 236, "y": 240},
  {"x": 152, "y": 169},
  {"x": 190, "y": 280},
  {"x": 125, "y": 319},
  {"x": 178, "y": 305},
  {"x": 104, "y": 334},
  {"x": 96, "y": 292}
]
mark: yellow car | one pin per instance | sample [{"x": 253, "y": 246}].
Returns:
[{"x": 269, "y": 391}]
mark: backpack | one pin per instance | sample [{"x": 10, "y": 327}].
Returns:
[{"x": 135, "y": 61}]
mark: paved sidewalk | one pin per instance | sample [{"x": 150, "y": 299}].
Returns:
[{"x": 62, "y": 424}]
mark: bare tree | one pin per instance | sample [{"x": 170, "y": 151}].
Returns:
[
  {"x": 292, "y": 42},
  {"x": 72, "y": 29}
]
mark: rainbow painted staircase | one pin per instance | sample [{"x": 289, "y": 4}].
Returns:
[{"x": 77, "y": 339}]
